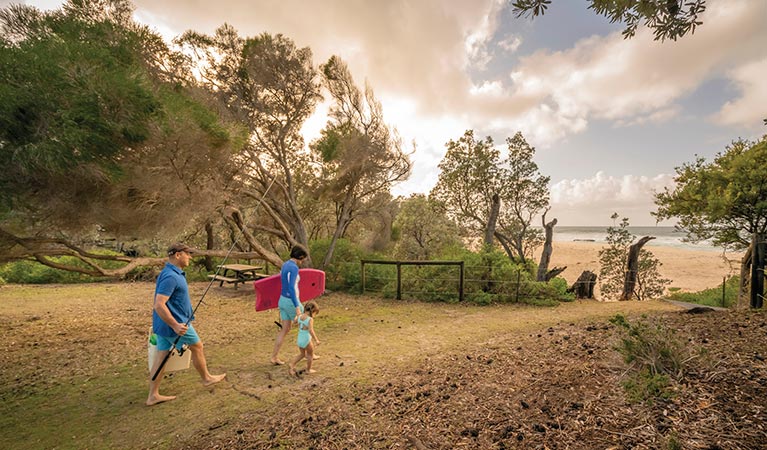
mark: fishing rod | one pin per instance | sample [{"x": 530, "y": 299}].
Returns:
[{"x": 212, "y": 280}]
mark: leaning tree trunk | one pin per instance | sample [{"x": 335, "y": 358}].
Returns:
[
  {"x": 584, "y": 285},
  {"x": 632, "y": 267},
  {"x": 543, "y": 266}
]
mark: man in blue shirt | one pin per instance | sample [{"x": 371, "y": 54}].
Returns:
[{"x": 172, "y": 311}]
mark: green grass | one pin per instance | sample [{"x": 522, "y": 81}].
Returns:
[{"x": 713, "y": 296}]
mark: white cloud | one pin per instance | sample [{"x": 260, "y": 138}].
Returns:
[
  {"x": 659, "y": 116},
  {"x": 637, "y": 80},
  {"x": 492, "y": 88},
  {"x": 478, "y": 37},
  {"x": 751, "y": 107},
  {"x": 510, "y": 44},
  {"x": 592, "y": 200}
]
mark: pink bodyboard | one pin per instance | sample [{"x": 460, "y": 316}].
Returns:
[{"x": 311, "y": 284}]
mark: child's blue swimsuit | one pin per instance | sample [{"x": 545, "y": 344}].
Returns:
[{"x": 303, "y": 332}]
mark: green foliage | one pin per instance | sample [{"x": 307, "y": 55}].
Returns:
[
  {"x": 32, "y": 272},
  {"x": 423, "y": 229},
  {"x": 473, "y": 177},
  {"x": 99, "y": 127},
  {"x": 645, "y": 386},
  {"x": 73, "y": 97},
  {"x": 560, "y": 286},
  {"x": 712, "y": 296},
  {"x": 656, "y": 356},
  {"x": 670, "y": 19},
  {"x": 673, "y": 442},
  {"x": 491, "y": 277},
  {"x": 724, "y": 200},
  {"x": 469, "y": 176},
  {"x": 344, "y": 271},
  {"x": 613, "y": 260}
]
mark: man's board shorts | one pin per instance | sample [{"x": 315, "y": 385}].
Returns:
[
  {"x": 287, "y": 310},
  {"x": 164, "y": 343}
]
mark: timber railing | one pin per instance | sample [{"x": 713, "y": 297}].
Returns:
[{"x": 399, "y": 265}]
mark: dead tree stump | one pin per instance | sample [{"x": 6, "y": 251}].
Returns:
[
  {"x": 584, "y": 285},
  {"x": 632, "y": 267},
  {"x": 553, "y": 273},
  {"x": 543, "y": 266}
]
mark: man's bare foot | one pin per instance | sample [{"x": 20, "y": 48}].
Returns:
[
  {"x": 292, "y": 370},
  {"x": 159, "y": 399},
  {"x": 277, "y": 362},
  {"x": 315, "y": 356},
  {"x": 213, "y": 380},
  {"x": 311, "y": 371}
]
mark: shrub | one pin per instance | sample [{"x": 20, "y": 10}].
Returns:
[
  {"x": 612, "y": 262},
  {"x": 343, "y": 272},
  {"x": 647, "y": 387},
  {"x": 560, "y": 286},
  {"x": 656, "y": 357},
  {"x": 489, "y": 277},
  {"x": 712, "y": 296},
  {"x": 32, "y": 272}
]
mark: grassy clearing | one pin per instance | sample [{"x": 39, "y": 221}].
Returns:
[{"x": 75, "y": 373}]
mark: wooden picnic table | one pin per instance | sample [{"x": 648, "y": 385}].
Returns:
[{"x": 238, "y": 273}]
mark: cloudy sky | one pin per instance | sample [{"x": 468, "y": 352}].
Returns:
[{"x": 610, "y": 118}]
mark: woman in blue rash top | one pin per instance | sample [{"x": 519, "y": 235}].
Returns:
[{"x": 290, "y": 301}]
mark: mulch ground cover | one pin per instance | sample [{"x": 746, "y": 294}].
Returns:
[{"x": 557, "y": 388}]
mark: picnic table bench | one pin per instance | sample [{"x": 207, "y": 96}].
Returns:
[{"x": 238, "y": 273}]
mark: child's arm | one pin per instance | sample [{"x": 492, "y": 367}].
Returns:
[{"x": 311, "y": 331}]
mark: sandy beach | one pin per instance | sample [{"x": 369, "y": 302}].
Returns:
[{"x": 690, "y": 270}]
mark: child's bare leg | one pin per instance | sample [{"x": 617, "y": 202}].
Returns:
[
  {"x": 309, "y": 358},
  {"x": 292, "y": 365}
]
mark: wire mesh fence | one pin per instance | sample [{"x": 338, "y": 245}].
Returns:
[
  {"x": 487, "y": 283},
  {"x": 453, "y": 281}
]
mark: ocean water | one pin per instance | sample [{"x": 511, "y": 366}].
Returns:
[{"x": 664, "y": 236}]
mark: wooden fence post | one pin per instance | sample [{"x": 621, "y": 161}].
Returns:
[
  {"x": 757, "y": 271},
  {"x": 362, "y": 271},
  {"x": 399, "y": 281}
]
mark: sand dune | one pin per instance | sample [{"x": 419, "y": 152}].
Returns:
[{"x": 689, "y": 270}]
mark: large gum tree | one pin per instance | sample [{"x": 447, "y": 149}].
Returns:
[
  {"x": 100, "y": 135},
  {"x": 493, "y": 198},
  {"x": 271, "y": 87},
  {"x": 724, "y": 200}
]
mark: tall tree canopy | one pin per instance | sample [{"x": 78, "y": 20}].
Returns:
[
  {"x": 98, "y": 130},
  {"x": 493, "y": 197},
  {"x": 669, "y": 19},
  {"x": 469, "y": 181},
  {"x": 423, "y": 229},
  {"x": 270, "y": 86},
  {"x": 525, "y": 194},
  {"x": 361, "y": 155},
  {"x": 724, "y": 200}
]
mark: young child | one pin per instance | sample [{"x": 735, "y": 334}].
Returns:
[{"x": 306, "y": 338}]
